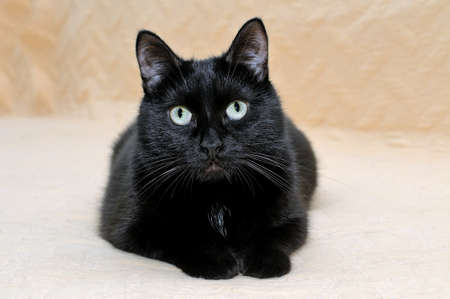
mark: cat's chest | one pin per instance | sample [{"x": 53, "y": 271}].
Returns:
[{"x": 220, "y": 218}]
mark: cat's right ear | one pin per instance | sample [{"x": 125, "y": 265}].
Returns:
[
  {"x": 250, "y": 49},
  {"x": 156, "y": 60}
]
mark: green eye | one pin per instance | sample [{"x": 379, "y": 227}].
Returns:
[
  {"x": 236, "y": 110},
  {"x": 180, "y": 115}
]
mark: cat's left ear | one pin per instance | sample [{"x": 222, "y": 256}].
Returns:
[
  {"x": 156, "y": 60},
  {"x": 250, "y": 48}
]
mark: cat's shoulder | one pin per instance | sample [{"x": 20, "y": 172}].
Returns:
[
  {"x": 295, "y": 135},
  {"x": 125, "y": 137}
]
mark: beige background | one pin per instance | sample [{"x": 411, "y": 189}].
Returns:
[
  {"x": 358, "y": 64},
  {"x": 368, "y": 81}
]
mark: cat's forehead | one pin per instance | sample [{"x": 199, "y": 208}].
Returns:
[
  {"x": 203, "y": 71},
  {"x": 205, "y": 83}
]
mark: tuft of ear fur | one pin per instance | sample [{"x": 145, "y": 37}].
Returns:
[
  {"x": 250, "y": 48},
  {"x": 156, "y": 60}
]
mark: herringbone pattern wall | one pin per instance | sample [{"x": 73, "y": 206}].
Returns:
[{"x": 359, "y": 64}]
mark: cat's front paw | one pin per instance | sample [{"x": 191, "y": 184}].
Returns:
[
  {"x": 267, "y": 263},
  {"x": 218, "y": 266}
]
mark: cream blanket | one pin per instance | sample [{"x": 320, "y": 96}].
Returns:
[{"x": 380, "y": 225}]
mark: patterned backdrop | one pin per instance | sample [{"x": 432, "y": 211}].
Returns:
[{"x": 358, "y": 64}]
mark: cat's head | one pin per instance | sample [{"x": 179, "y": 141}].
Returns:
[{"x": 209, "y": 117}]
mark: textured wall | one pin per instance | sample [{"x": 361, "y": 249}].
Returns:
[{"x": 361, "y": 64}]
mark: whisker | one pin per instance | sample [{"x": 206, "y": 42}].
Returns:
[
  {"x": 182, "y": 176},
  {"x": 168, "y": 161},
  {"x": 282, "y": 164},
  {"x": 249, "y": 178},
  {"x": 158, "y": 179},
  {"x": 279, "y": 164},
  {"x": 270, "y": 175}
]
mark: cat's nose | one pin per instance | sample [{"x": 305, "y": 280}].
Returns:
[{"x": 211, "y": 147}]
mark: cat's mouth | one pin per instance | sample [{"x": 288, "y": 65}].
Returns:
[
  {"x": 212, "y": 171},
  {"x": 213, "y": 166}
]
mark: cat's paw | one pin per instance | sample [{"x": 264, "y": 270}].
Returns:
[
  {"x": 267, "y": 263},
  {"x": 219, "y": 266}
]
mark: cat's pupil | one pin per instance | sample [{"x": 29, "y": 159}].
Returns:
[
  {"x": 237, "y": 107},
  {"x": 180, "y": 112}
]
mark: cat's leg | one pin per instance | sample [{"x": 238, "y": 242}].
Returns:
[
  {"x": 208, "y": 257},
  {"x": 267, "y": 254},
  {"x": 207, "y": 261}
]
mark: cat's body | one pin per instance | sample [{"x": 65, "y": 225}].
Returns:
[{"x": 217, "y": 195}]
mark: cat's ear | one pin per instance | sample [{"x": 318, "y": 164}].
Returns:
[
  {"x": 250, "y": 48},
  {"x": 156, "y": 60}
]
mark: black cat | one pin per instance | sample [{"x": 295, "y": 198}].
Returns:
[{"x": 212, "y": 177}]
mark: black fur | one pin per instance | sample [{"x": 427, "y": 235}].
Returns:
[{"x": 162, "y": 201}]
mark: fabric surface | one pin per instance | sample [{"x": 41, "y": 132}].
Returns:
[
  {"x": 380, "y": 221},
  {"x": 370, "y": 80},
  {"x": 357, "y": 64}
]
